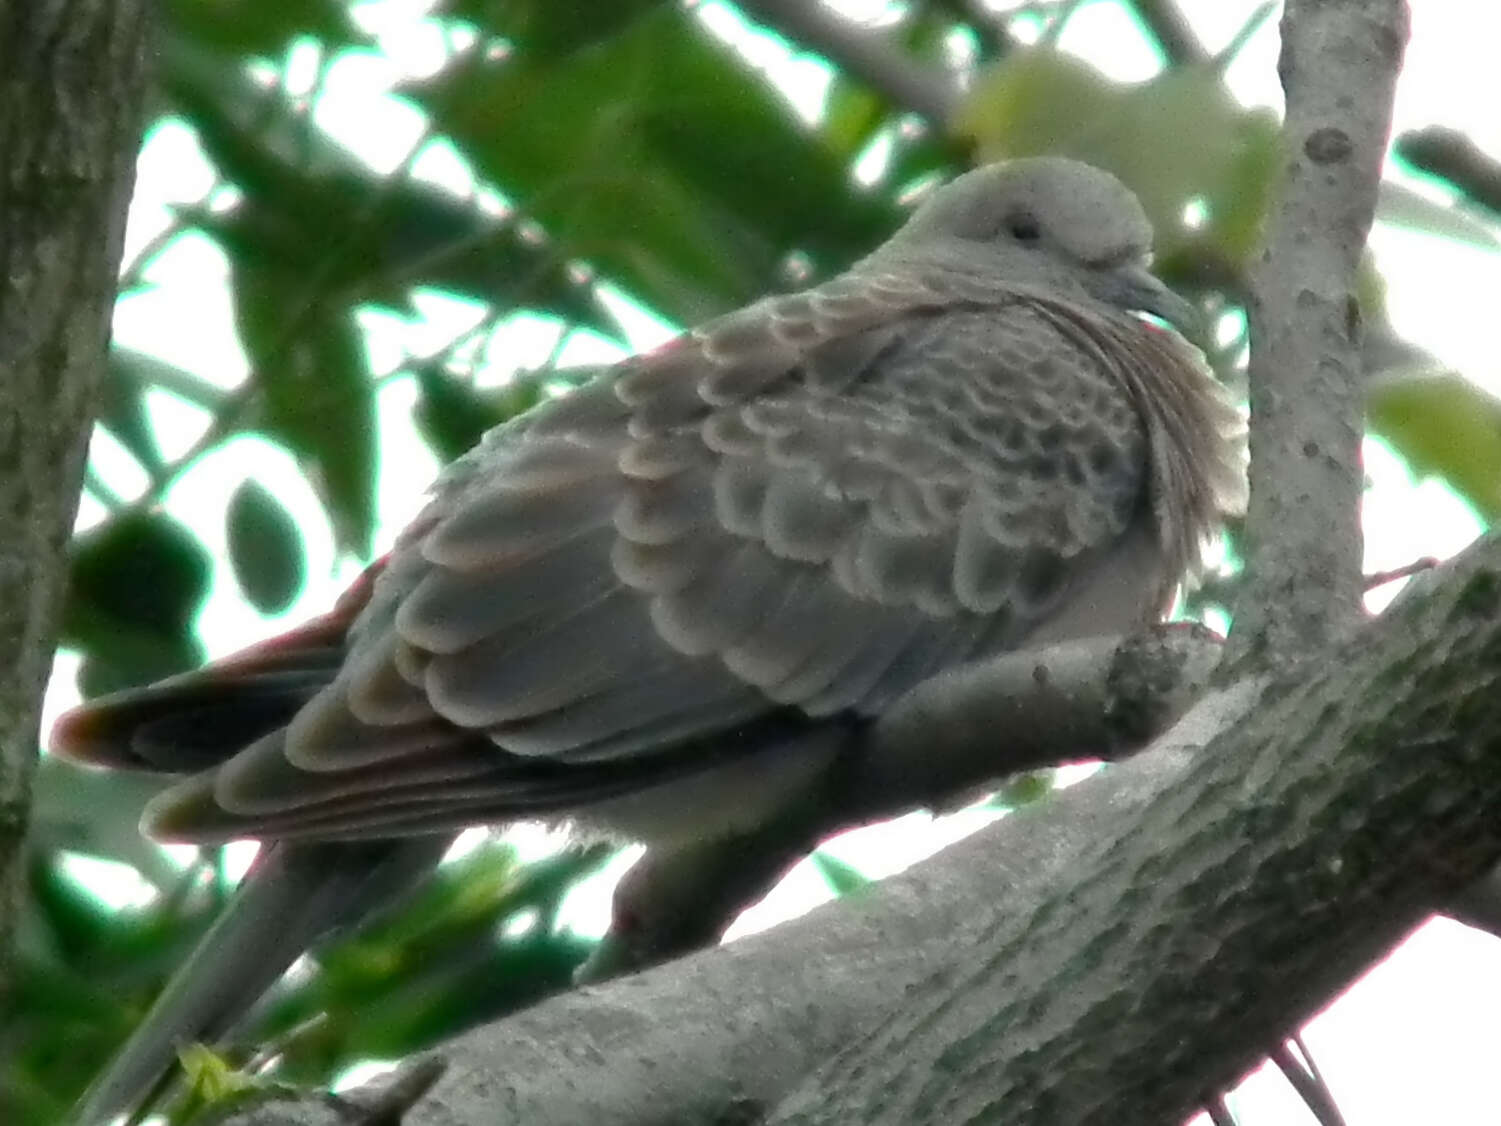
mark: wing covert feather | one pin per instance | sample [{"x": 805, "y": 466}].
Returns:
[{"x": 812, "y": 505}]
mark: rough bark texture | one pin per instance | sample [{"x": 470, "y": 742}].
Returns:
[
  {"x": 1339, "y": 66},
  {"x": 1111, "y": 956},
  {"x": 1203, "y": 923},
  {"x": 72, "y": 76}
]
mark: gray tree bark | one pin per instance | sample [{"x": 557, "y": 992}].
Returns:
[
  {"x": 1339, "y": 66},
  {"x": 72, "y": 82}
]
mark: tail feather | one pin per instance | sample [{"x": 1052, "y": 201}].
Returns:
[
  {"x": 293, "y": 896},
  {"x": 185, "y": 724},
  {"x": 198, "y": 719}
]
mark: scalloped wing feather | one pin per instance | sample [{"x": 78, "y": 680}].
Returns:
[{"x": 798, "y": 512}]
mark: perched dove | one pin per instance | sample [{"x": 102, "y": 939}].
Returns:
[{"x": 660, "y": 605}]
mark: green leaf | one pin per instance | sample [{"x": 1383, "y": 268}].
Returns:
[
  {"x": 1399, "y": 204},
  {"x": 842, "y": 878},
  {"x": 450, "y": 412},
  {"x": 259, "y": 27},
  {"x": 1444, "y": 425},
  {"x": 137, "y": 583},
  {"x": 265, "y": 548},
  {"x": 550, "y": 27},
  {"x": 453, "y": 414},
  {"x": 312, "y": 209},
  {"x": 316, "y": 393},
  {"x": 440, "y": 964},
  {"x": 662, "y": 158},
  {"x": 1179, "y": 138},
  {"x": 97, "y": 813},
  {"x": 142, "y": 371},
  {"x": 1024, "y": 789},
  {"x": 853, "y": 115},
  {"x": 122, "y": 408},
  {"x": 74, "y": 918}
]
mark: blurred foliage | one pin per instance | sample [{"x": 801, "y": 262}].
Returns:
[
  {"x": 265, "y": 547},
  {"x": 620, "y": 143},
  {"x": 1446, "y": 426},
  {"x": 478, "y": 940},
  {"x": 841, "y": 877},
  {"x": 1222, "y": 157}
]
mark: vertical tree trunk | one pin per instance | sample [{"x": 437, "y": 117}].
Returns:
[{"x": 72, "y": 76}]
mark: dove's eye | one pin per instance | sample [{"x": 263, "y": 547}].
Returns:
[{"x": 1023, "y": 226}]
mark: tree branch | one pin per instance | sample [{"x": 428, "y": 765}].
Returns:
[
  {"x": 72, "y": 76},
  {"x": 1112, "y": 955},
  {"x": 862, "y": 52},
  {"x": 988, "y": 27},
  {"x": 1339, "y": 67},
  {"x": 1174, "y": 34},
  {"x": 1097, "y": 698}
]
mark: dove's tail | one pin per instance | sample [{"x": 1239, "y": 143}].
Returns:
[{"x": 293, "y": 896}]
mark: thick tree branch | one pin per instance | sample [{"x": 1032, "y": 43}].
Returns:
[
  {"x": 1339, "y": 65},
  {"x": 1110, "y": 956},
  {"x": 1098, "y": 698},
  {"x": 72, "y": 73},
  {"x": 862, "y": 52}
]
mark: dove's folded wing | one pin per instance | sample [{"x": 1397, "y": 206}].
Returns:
[{"x": 707, "y": 544}]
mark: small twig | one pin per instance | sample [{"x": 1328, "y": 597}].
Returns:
[
  {"x": 1170, "y": 27},
  {"x": 862, "y": 52},
  {"x": 1406, "y": 571},
  {"x": 133, "y": 275},
  {"x": 176, "y": 897},
  {"x": 185, "y": 385},
  {"x": 1059, "y": 22},
  {"x": 1308, "y": 1084},
  {"x": 262, "y": 1056},
  {"x": 1226, "y": 54},
  {"x": 232, "y": 410},
  {"x": 988, "y": 27},
  {"x": 550, "y": 361},
  {"x": 410, "y": 1085},
  {"x": 446, "y": 351},
  {"x": 101, "y": 491},
  {"x": 1309, "y": 1062}
]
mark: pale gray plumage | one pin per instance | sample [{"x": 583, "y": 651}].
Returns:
[{"x": 704, "y": 567}]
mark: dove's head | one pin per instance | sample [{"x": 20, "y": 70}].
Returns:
[{"x": 1044, "y": 221}]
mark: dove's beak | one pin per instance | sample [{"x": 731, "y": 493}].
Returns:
[{"x": 1136, "y": 287}]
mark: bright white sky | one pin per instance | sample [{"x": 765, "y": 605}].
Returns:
[{"x": 1412, "y": 1042}]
